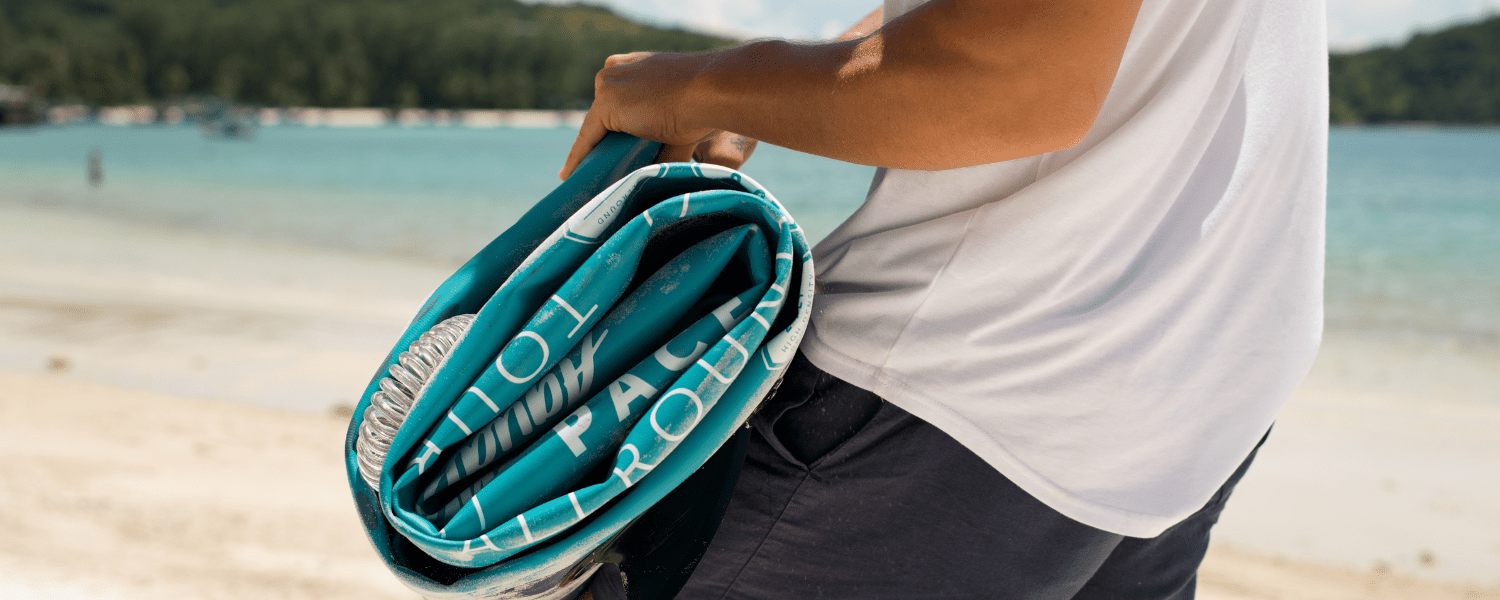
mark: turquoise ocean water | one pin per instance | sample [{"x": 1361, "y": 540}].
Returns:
[
  {"x": 432, "y": 192},
  {"x": 1414, "y": 232},
  {"x": 1413, "y": 213}
]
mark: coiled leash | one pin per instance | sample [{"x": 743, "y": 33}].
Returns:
[{"x": 576, "y": 393}]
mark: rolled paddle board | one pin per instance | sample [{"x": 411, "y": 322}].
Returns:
[{"x": 548, "y": 402}]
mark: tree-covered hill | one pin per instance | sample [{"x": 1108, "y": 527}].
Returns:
[
  {"x": 383, "y": 53},
  {"x": 1449, "y": 76},
  {"x": 505, "y": 54}
]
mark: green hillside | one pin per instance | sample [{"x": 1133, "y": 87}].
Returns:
[
  {"x": 1448, "y": 76},
  {"x": 383, "y": 53},
  {"x": 505, "y": 54}
]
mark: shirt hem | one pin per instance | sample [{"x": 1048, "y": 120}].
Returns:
[{"x": 895, "y": 390}]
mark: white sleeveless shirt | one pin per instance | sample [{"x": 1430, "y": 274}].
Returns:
[{"x": 1112, "y": 326}]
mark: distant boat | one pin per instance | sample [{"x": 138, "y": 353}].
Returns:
[
  {"x": 226, "y": 121},
  {"x": 238, "y": 128}
]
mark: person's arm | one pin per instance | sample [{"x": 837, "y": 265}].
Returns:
[
  {"x": 732, "y": 149},
  {"x": 953, "y": 83},
  {"x": 864, "y": 27}
]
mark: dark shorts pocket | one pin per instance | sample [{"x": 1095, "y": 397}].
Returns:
[{"x": 814, "y": 413}]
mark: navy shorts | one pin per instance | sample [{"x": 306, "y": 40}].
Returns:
[{"x": 844, "y": 495}]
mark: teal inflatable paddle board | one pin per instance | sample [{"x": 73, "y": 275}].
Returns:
[{"x": 557, "y": 394}]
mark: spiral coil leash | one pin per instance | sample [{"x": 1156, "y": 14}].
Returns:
[{"x": 398, "y": 392}]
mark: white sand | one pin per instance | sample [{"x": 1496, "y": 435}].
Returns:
[
  {"x": 1373, "y": 482},
  {"x": 125, "y": 474},
  {"x": 115, "y": 493},
  {"x": 223, "y": 318}
]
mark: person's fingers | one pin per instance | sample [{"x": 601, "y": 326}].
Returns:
[
  {"x": 593, "y": 128},
  {"x": 675, "y": 153},
  {"x": 589, "y": 135},
  {"x": 625, "y": 59},
  {"x": 701, "y": 148}
]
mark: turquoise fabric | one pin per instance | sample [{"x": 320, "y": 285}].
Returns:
[{"x": 618, "y": 343}]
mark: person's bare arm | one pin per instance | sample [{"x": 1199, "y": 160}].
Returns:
[
  {"x": 864, "y": 27},
  {"x": 953, "y": 83},
  {"x": 732, "y": 149}
]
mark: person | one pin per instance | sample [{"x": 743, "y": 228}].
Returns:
[
  {"x": 95, "y": 168},
  {"x": 1086, "y": 277}
]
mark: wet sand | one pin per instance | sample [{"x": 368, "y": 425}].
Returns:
[{"x": 169, "y": 427}]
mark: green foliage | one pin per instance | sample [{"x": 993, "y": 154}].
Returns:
[
  {"x": 1451, "y": 76},
  {"x": 385, "y": 53}
]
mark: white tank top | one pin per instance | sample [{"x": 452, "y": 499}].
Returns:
[{"x": 1113, "y": 326}]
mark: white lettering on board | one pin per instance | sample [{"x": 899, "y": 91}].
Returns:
[
  {"x": 428, "y": 452},
  {"x": 635, "y": 463},
  {"x": 578, "y": 380},
  {"x": 634, "y": 388},
  {"x": 570, "y": 432},
  {"x": 572, "y": 311},
  {"x": 725, "y": 313},
  {"x": 537, "y": 399},
  {"x": 697, "y": 416},
  {"x": 677, "y": 363},
  {"x": 500, "y": 360}
]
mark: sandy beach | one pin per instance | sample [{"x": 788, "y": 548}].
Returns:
[{"x": 173, "y": 404}]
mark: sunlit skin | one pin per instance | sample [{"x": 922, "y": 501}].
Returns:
[
  {"x": 953, "y": 83},
  {"x": 901, "y": 96}
]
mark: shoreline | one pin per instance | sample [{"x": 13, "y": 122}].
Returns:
[{"x": 168, "y": 114}]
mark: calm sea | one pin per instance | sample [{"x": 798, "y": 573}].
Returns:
[
  {"x": 1413, "y": 213},
  {"x": 433, "y": 192}
]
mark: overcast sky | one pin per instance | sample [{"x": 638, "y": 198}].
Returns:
[{"x": 1352, "y": 24}]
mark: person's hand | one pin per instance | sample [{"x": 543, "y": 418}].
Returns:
[
  {"x": 725, "y": 149},
  {"x": 647, "y": 95}
]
